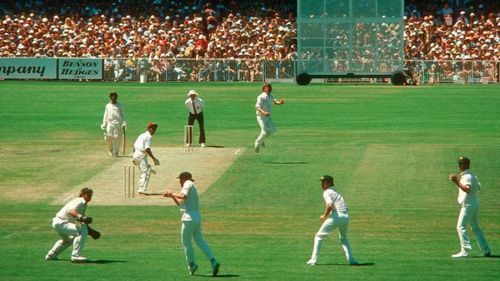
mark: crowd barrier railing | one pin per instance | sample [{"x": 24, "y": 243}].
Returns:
[
  {"x": 453, "y": 71},
  {"x": 231, "y": 70}
]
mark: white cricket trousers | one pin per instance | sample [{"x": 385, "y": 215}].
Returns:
[
  {"x": 114, "y": 138},
  {"x": 145, "y": 169},
  {"x": 191, "y": 229},
  {"x": 469, "y": 215},
  {"x": 335, "y": 220},
  {"x": 267, "y": 128},
  {"x": 70, "y": 234}
]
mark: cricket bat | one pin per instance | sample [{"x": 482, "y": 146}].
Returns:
[{"x": 124, "y": 141}]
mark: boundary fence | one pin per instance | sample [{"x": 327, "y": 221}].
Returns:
[{"x": 230, "y": 70}]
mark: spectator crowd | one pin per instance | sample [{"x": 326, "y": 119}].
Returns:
[
  {"x": 448, "y": 34},
  {"x": 186, "y": 31},
  {"x": 162, "y": 31}
]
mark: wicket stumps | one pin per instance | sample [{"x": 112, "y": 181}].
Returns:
[
  {"x": 188, "y": 138},
  {"x": 129, "y": 181}
]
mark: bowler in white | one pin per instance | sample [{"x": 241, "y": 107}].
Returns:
[{"x": 263, "y": 110}]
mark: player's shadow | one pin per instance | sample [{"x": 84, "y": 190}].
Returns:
[
  {"x": 345, "y": 264},
  {"x": 152, "y": 194},
  {"x": 215, "y": 146},
  {"x": 488, "y": 257},
  {"x": 287, "y": 162},
  {"x": 218, "y": 275},
  {"x": 105, "y": 261}
]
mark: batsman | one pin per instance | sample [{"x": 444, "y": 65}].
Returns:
[
  {"x": 142, "y": 149},
  {"x": 114, "y": 125}
]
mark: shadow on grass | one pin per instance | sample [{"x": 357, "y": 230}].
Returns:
[
  {"x": 217, "y": 276},
  {"x": 287, "y": 162},
  {"x": 488, "y": 257},
  {"x": 151, "y": 194},
  {"x": 345, "y": 264},
  {"x": 90, "y": 261},
  {"x": 215, "y": 146},
  {"x": 105, "y": 261}
]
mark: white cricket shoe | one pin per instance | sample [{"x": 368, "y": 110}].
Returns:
[
  {"x": 461, "y": 254},
  {"x": 311, "y": 262},
  {"x": 202, "y": 144},
  {"x": 51, "y": 257},
  {"x": 257, "y": 147},
  {"x": 78, "y": 259}
]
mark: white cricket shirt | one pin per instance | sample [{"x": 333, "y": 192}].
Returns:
[
  {"x": 198, "y": 103},
  {"x": 333, "y": 197},
  {"x": 191, "y": 203},
  {"x": 113, "y": 114},
  {"x": 142, "y": 143},
  {"x": 264, "y": 102},
  {"x": 78, "y": 203},
  {"x": 467, "y": 178}
]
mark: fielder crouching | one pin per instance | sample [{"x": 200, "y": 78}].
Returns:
[{"x": 71, "y": 225}]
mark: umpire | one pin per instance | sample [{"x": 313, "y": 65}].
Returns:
[{"x": 195, "y": 106}]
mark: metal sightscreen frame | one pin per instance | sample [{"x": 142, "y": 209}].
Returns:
[{"x": 351, "y": 21}]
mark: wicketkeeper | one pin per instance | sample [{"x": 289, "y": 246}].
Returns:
[{"x": 73, "y": 227}]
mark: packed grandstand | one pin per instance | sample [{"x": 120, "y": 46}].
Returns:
[{"x": 162, "y": 32}]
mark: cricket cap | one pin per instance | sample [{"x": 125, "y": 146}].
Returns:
[
  {"x": 152, "y": 125},
  {"x": 192, "y": 92},
  {"x": 185, "y": 175},
  {"x": 463, "y": 160},
  {"x": 326, "y": 178}
]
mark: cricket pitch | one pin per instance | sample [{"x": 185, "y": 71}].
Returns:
[{"x": 206, "y": 164}]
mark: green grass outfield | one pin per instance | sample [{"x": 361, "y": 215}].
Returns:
[{"x": 389, "y": 148}]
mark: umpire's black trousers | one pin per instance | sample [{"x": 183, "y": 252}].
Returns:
[{"x": 201, "y": 123}]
